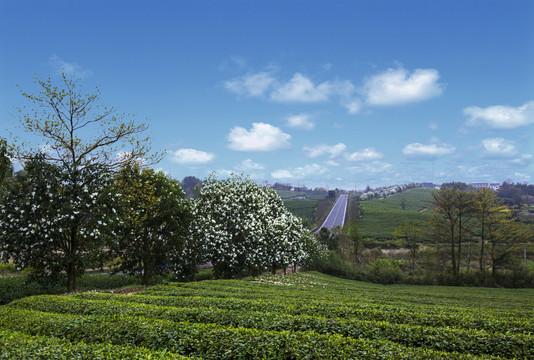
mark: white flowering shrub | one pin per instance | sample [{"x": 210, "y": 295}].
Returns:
[
  {"x": 56, "y": 219},
  {"x": 154, "y": 220},
  {"x": 241, "y": 227}
]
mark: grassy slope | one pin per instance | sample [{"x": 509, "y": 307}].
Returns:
[
  {"x": 382, "y": 216},
  {"x": 307, "y": 315}
]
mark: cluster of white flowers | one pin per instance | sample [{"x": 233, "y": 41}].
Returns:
[
  {"x": 47, "y": 217},
  {"x": 241, "y": 226}
]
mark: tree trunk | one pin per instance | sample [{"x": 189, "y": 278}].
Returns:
[
  {"x": 453, "y": 253},
  {"x": 71, "y": 277}
]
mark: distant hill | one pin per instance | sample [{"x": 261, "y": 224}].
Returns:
[{"x": 380, "y": 217}]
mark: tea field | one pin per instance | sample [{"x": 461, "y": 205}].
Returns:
[
  {"x": 380, "y": 217},
  {"x": 300, "y": 316}
]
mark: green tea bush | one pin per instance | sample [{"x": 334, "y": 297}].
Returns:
[
  {"x": 209, "y": 341},
  {"x": 16, "y": 345}
]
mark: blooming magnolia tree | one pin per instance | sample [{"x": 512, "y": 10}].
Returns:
[
  {"x": 242, "y": 227},
  {"x": 155, "y": 220},
  {"x": 56, "y": 219}
]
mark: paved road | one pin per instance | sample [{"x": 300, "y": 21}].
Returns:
[{"x": 337, "y": 214}]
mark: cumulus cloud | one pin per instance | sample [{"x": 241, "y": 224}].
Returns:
[
  {"x": 301, "y": 89},
  {"x": 324, "y": 149},
  {"x": 300, "y": 172},
  {"x": 190, "y": 156},
  {"x": 397, "y": 86},
  {"x": 499, "y": 147},
  {"x": 68, "y": 68},
  {"x": 373, "y": 167},
  {"x": 427, "y": 151},
  {"x": 367, "y": 154},
  {"x": 500, "y": 116},
  {"x": 253, "y": 85},
  {"x": 262, "y": 137},
  {"x": 248, "y": 164},
  {"x": 300, "y": 121}
]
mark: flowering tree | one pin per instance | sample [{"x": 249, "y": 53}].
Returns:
[
  {"x": 242, "y": 227},
  {"x": 155, "y": 220},
  {"x": 56, "y": 220},
  {"x": 81, "y": 140}
]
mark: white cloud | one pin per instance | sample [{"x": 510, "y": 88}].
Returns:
[
  {"x": 73, "y": 69},
  {"x": 190, "y": 156},
  {"x": 262, "y": 137},
  {"x": 248, "y": 164},
  {"x": 323, "y": 149},
  {"x": 300, "y": 172},
  {"x": 373, "y": 167},
  {"x": 302, "y": 89},
  {"x": 500, "y": 116},
  {"x": 522, "y": 160},
  {"x": 282, "y": 174},
  {"x": 427, "y": 151},
  {"x": 301, "y": 121},
  {"x": 353, "y": 106},
  {"x": 499, "y": 147},
  {"x": 397, "y": 86},
  {"x": 252, "y": 85},
  {"x": 367, "y": 154}
]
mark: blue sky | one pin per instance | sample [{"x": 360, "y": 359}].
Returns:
[{"x": 321, "y": 93}]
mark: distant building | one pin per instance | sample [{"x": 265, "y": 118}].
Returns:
[{"x": 493, "y": 186}]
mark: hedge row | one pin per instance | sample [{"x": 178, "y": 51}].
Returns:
[
  {"x": 443, "y": 339},
  {"x": 16, "y": 287},
  {"x": 208, "y": 341},
  {"x": 456, "y": 316},
  {"x": 390, "y": 314},
  {"x": 16, "y": 345}
]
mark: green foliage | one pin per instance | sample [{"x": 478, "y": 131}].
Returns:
[
  {"x": 17, "y": 345},
  {"x": 306, "y": 315},
  {"x": 154, "y": 221},
  {"x": 16, "y": 287}
]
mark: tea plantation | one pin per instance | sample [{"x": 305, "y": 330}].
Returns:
[{"x": 301, "y": 316}]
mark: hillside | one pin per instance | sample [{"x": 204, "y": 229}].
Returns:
[
  {"x": 300, "y": 316},
  {"x": 380, "y": 217}
]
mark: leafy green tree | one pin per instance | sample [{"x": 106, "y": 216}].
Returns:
[
  {"x": 453, "y": 204},
  {"x": 55, "y": 220},
  {"x": 490, "y": 214},
  {"x": 155, "y": 220},
  {"x": 352, "y": 231},
  {"x": 408, "y": 234}
]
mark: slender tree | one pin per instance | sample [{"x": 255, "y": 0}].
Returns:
[
  {"x": 490, "y": 213},
  {"x": 76, "y": 132},
  {"x": 408, "y": 234}
]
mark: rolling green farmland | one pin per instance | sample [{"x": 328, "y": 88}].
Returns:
[
  {"x": 301, "y": 316},
  {"x": 302, "y": 208},
  {"x": 380, "y": 217}
]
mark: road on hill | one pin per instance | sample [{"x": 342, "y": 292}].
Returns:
[{"x": 337, "y": 214}]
